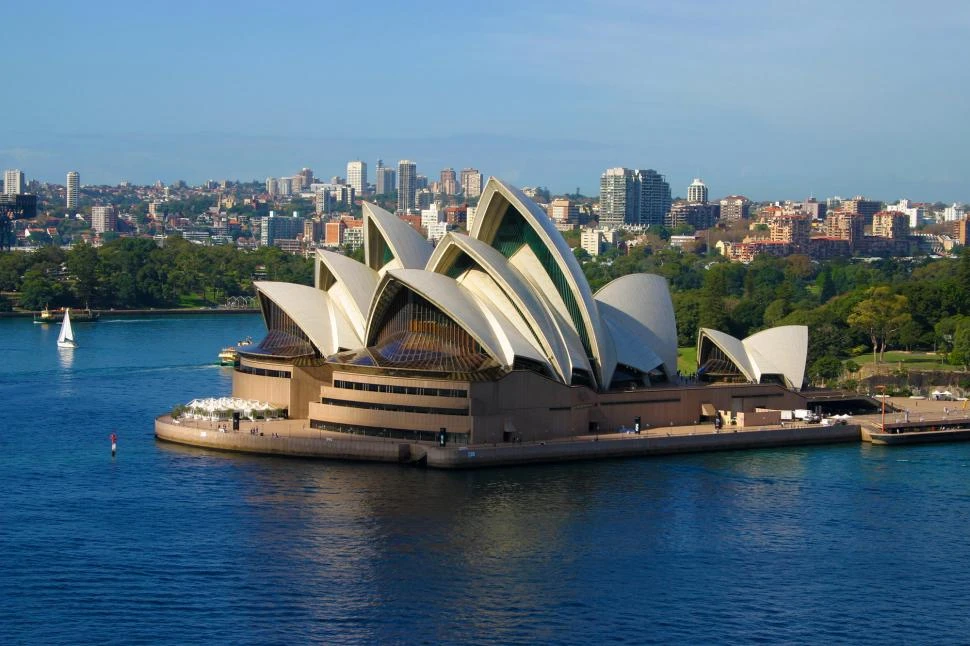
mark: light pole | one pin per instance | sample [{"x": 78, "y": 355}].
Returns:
[{"x": 883, "y": 389}]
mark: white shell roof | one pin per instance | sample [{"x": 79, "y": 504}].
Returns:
[
  {"x": 488, "y": 217},
  {"x": 354, "y": 286},
  {"x": 647, "y": 319},
  {"x": 450, "y": 297},
  {"x": 529, "y": 304},
  {"x": 314, "y": 311},
  {"x": 779, "y": 350},
  {"x": 410, "y": 249}
]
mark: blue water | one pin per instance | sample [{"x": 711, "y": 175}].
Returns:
[{"x": 172, "y": 545}]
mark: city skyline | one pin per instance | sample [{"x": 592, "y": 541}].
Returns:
[{"x": 717, "y": 105}]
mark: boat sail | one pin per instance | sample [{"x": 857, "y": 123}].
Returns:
[{"x": 66, "y": 337}]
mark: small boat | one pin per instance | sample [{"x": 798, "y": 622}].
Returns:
[
  {"x": 66, "y": 338},
  {"x": 228, "y": 357},
  {"x": 45, "y": 316}
]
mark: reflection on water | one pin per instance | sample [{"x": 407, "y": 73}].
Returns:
[
  {"x": 65, "y": 358},
  {"x": 183, "y": 545}
]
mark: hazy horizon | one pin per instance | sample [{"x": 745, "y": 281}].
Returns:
[{"x": 771, "y": 100}]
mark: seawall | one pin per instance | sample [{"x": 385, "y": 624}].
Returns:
[{"x": 335, "y": 446}]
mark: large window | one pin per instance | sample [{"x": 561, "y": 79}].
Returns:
[
  {"x": 284, "y": 338},
  {"x": 460, "y": 439},
  {"x": 400, "y": 390},
  {"x": 263, "y": 372},
  {"x": 400, "y": 408}
]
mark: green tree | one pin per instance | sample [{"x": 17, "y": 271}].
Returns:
[
  {"x": 825, "y": 370},
  {"x": 82, "y": 264},
  {"x": 880, "y": 316}
]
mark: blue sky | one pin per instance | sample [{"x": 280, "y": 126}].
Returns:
[{"x": 771, "y": 99}]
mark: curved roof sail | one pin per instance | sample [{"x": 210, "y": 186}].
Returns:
[
  {"x": 779, "y": 351},
  {"x": 457, "y": 254},
  {"x": 314, "y": 312},
  {"x": 648, "y": 318},
  {"x": 390, "y": 242},
  {"x": 511, "y": 223},
  {"x": 349, "y": 283}
]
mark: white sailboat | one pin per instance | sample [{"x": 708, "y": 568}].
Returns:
[{"x": 66, "y": 337}]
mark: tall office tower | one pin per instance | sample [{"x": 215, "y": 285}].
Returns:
[
  {"x": 103, "y": 219},
  {"x": 271, "y": 186},
  {"x": 296, "y": 183},
  {"x": 654, "y": 202},
  {"x": 471, "y": 182},
  {"x": 618, "y": 197},
  {"x": 407, "y": 172},
  {"x": 357, "y": 175},
  {"x": 73, "y": 184},
  {"x": 697, "y": 192},
  {"x": 386, "y": 182},
  {"x": 449, "y": 181},
  {"x": 284, "y": 186},
  {"x": 307, "y": 174},
  {"x": 13, "y": 182},
  {"x": 735, "y": 207}
]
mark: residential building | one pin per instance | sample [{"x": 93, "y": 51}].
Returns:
[
  {"x": 618, "y": 197},
  {"x": 814, "y": 209},
  {"x": 846, "y": 225},
  {"x": 276, "y": 227},
  {"x": 73, "y": 186},
  {"x": 697, "y": 192},
  {"x": 890, "y": 224},
  {"x": 357, "y": 175},
  {"x": 408, "y": 186},
  {"x": 284, "y": 186},
  {"x": 564, "y": 211},
  {"x": 954, "y": 212},
  {"x": 104, "y": 219},
  {"x": 654, "y": 198},
  {"x": 862, "y": 206},
  {"x": 960, "y": 230},
  {"x": 14, "y": 182},
  {"x": 471, "y": 182},
  {"x": 735, "y": 207},
  {"x": 914, "y": 212},
  {"x": 386, "y": 180},
  {"x": 307, "y": 174},
  {"x": 271, "y": 186},
  {"x": 794, "y": 229},
  {"x": 449, "y": 182},
  {"x": 699, "y": 215}
]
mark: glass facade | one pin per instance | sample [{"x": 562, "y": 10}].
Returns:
[{"x": 284, "y": 338}]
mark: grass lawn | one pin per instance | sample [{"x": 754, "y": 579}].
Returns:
[
  {"x": 922, "y": 360},
  {"x": 687, "y": 360}
]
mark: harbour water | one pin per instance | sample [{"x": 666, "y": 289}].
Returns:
[{"x": 164, "y": 544}]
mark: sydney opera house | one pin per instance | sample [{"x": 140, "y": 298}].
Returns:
[{"x": 493, "y": 337}]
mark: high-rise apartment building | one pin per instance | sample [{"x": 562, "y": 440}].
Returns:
[
  {"x": 357, "y": 175},
  {"x": 13, "y": 182},
  {"x": 271, "y": 185},
  {"x": 471, "y": 182},
  {"x": 735, "y": 207},
  {"x": 73, "y": 185},
  {"x": 307, "y": 174},
  {"x": 407, "y": 173},
  {"x": 654, "y": 197},
  {"x": 103, "y": 219},
  {"x": 697, "y": 192},
  {"x": 386, "y": 180},
  {"x": 634, "y": 197},
  {"x": 449, "y": 181},
  {"x": 618, "y": 197},
  {"x": 284, "y": 186}
]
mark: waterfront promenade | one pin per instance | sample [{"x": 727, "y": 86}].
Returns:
[{"x": 296, "y": 438}]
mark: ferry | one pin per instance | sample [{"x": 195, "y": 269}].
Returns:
[
  {"x": 47, "y": 315},
  {"x": 228, "y": 357}
]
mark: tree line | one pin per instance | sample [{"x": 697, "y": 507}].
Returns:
[{"x": 134, "y": 273}]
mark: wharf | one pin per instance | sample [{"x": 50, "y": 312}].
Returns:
[
  {"x": 918, "y": 421},
  {"x": 294, "y": 438}
]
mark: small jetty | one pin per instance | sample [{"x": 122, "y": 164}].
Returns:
[{"x": 919, "y": 421}]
